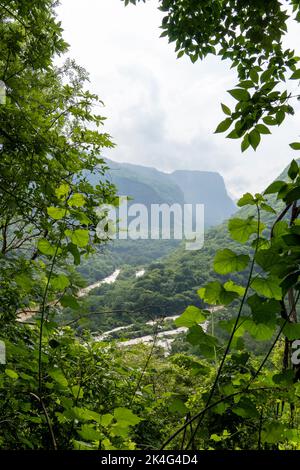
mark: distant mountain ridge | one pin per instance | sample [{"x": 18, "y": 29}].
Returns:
[{"x": 148, "y": 185}]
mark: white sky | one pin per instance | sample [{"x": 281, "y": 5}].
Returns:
[{"x": 161, "y": 111}]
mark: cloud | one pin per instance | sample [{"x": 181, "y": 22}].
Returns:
[{"x": 163, "y": 111}]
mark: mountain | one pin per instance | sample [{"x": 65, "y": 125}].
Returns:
[
  {"x": 147, "y": 186},
  {"x": 207, "y": 188}
]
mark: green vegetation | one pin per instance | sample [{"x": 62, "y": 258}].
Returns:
[{"x": 233, "y": 381}]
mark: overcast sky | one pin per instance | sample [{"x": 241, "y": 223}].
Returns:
[{"x": 161, "y": 111}]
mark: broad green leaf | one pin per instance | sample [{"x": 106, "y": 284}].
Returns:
[
  {"x": 259, "y": 331},
  {"x": 273, "y": 433},
  {"x": 56, "y": 213},
  {"x": 89, "y": 433},
  {"x": 245, "y": 408},
  {"x": 191, "y": 316},
  {"x": 77, "y": 200},
  {"x": 84, "y": 414},
  {"x": 246, "y": 199},
  {"x": 80, "y": 237},
  {"x": 215, "y": 294},
  {"x": 197, "y": 336},
  {"x": 230, "y": 286},
  {"x": 254, "y": 75},
  {"x": 176, "y": 405},
  {"x": 126, "y": 416},
  {"x": 240, "y": 94},
  {"x": 226, "y": 261},
  {"x": 60, "y": 282},
  {"x": 59, "y": 377},
  {"x": 264, "y": 310},
  {"x": 268, "y": 287},
  {"x": 63, "y": 191},
  {"x": 241, "y": 229},
  {"x": 275, "y": 187},
  {"x": 291, "y": 330},
  {"x": 106, "y": 420},
  {"x": 45, "y": 247}
]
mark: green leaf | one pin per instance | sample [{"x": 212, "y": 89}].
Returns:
[
  {"x": 80, "y": 237},
  {"x": 56, "y": 213},
  {"x": 75, "y": 252},
  {"x": 245, "y": 408},
  {"x": 197, "y": 336},
  {"x": 89, "y": 433},
  {"x": 84, "y": 414},
  {"x": 230, "y": 286},
  {"x": 295, "y": 75},
  {"x": 63, "y": 191},
  {"x": 226, "y": 110},
  {"x": 77, "y": 200},
  {"x": 268, "y": 287},
  {"x": 291, "y": 331},
  {"x": 241, "y": 229},
  {"x": 215, "y": 294},
  {"x": 126, "y": 416},
  {"x": 295, "y": 145},
  {"x": 45, "y": 247},
  {"x": 191, "y": 316},
  {"x": 177, "y": 406},
  {"x": 259, "y": 331},
  {"x": 264, "y": 310},
  {"x": 60, "y": 282},
  {"x": 69, "y": 301},
  {"x": 59, "y": 377},
  {"x": 254, "y": 139},
  {"x": 254, "y": 75},
  {"x": 226, "y": 261},
  {"x": 224, "y": 125},
  {"x": 246, "y": 199},
  {"x": 245, "y": 143},
  {"x": 11, "y": 374},
  {"x": 239, "y": 94},
  {"x": 267, "y": 208},
  {"x": 106, "y": 420},
  {"x": 262, "y": 129},
  {"x": 273, "y": 433},
  {"x": 292, "y": 195},
  {"x": 293, "y": 170},
  {"x": 275, "y": 187},
  {"x": 270, "y": 121}
]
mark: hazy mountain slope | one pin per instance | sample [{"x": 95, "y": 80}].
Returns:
[
  {"x": 208, "y": 188},
  {"x": 148, "y": 186}
]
